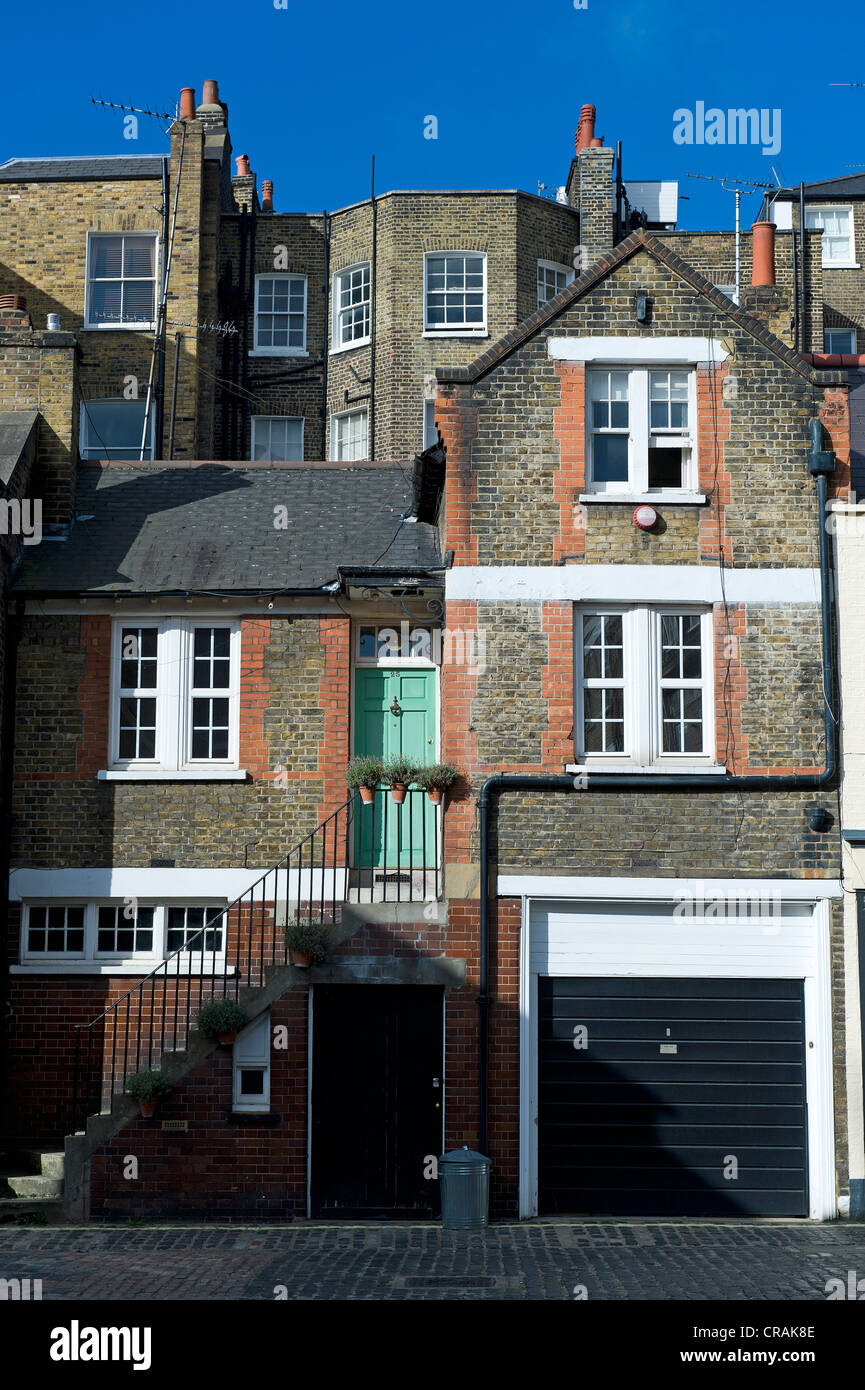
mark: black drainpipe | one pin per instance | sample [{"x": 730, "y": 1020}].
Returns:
[
  {"x": 820, "y": 464},
  {"x": 13, "y": 633},
  {"x": 804, "y": 329},
  {"x": 372, "y": 313}
]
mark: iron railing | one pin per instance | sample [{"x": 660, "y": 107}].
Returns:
[{"x": 365, "y": 853}]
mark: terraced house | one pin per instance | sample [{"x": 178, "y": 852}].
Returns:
[{"x": 435, "y": 497}]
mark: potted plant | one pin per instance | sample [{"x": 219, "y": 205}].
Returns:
[
  {"x": 436, "y": 779},
  {"x": 221, "y": 1018},
  {"x": 307, "y": 941},
  {"x": 364, "y": 774},
  {"x": 399, "y": 772},
  {"x": 147, "y": 1087}
]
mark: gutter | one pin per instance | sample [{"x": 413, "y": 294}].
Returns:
[{"x": 821, "y": 463}]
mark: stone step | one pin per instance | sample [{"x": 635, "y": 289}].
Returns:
[
  {"x": 32, "y": 1211},
  {"x": 31, "y": 1185}
]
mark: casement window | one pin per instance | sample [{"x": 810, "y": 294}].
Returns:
[
  {"x": 121, "y": 280},
  {"x": 351, "y": 306},
  {"x": 641, "y": 428},
  {"x": 644, "y": 686},
  {"x": 183, "y": 930},
  {"x": 552, "y": 279},
  {"x": 277, "y": 437},
  {"x": 280, "y": 315},
  {"x": 125, "y": 930},
  {"x": 174, "y": 703},
  {"x": 455, "y": 293},
  {"x": 836, "y": 224},
  {"x": 129, "y": 936},
  {"x": 349, "y": 436},
  {"x": 839, "y": 340},
  {"x": 113, "y": 429},
  {"x": 54, "y": 930},
  {"x": 252, "y": 1067}
]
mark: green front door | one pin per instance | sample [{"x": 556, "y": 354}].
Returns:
[{"x": 394, "y": 712}]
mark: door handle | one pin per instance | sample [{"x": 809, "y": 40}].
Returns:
[{"x": 396, "y": 707}]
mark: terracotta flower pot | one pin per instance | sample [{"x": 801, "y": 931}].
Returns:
[
  {"x": 147, "y": 1108},
  {"x": 301, "y": 959},
  {"x": 398, "y": 791},
  {"x": 367, "y": 795},
  {"x": 226, "y": 1038},
  {"x": 435, "y": 795}
]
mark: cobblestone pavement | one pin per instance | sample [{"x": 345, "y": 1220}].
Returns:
[{"x": 541, "y": 1260}]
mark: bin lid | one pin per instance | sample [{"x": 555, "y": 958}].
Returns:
[{"x": 463, "y": 1155}]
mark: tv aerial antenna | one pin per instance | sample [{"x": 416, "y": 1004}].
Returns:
[{"x": 738, "y": 187}]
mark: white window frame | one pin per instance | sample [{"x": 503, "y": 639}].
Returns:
[
  {"x": 86, "y": 450},
  {"x": 259, "y": 350},
  {"x": 730, "y": 291},
  {"x": 851, "y": 340},
  {"x": 812, "y": 223},
  {"x": 133, "y": 325},
  {"x": 90, "y": 960},
  {"x": 641, "y": 627},
  {"x": 566, "y": 270},
  {"x": 475, "y": 330},
  {"x": 430, "y": 431},
  {"x": 173, "y": 694},
  {"x": 252, "y": 1052},
  {"x": 334, "y": 434},
  {"x": 336, "y": 342},
  {"x": 259, "y": 420},
  {"x": 640, "y": 432}
]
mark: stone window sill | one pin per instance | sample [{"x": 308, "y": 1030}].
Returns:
[
  {"x": 252, "y": 1117},
  {"x": 669, "y": 499},
  {"x": 128, "y": 774}
]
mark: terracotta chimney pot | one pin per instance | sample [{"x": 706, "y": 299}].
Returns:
[
  {"x": 242, "y": 162},
  {"x": 267, "y": 195},
  {"x": 187, "y": 104},
  {"x": 763, "y": 253}
]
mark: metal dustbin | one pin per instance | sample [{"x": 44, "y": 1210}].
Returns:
[{"x": 464, "y": 1177}]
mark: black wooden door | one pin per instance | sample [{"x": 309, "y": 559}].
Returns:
[
  {"x": 688, "y": 1097},
  {"x": 377, "y": 1091}
]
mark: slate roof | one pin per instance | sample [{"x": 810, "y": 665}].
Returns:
[
  {"x": 846, "y": 186},
  {"x": 209, "y": 527},
  {"x": 16, "y": 426},
  {"x": 122, "y": 166}
]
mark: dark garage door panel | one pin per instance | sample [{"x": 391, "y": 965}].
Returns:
[{"x": 625, "y": 1129}]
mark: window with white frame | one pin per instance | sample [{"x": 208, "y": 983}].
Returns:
[
  {"x": 54, "y": 929},
  {"x": 280, "y": 314},
  {"x": 121, "y": 280},
  {"x": 349, "y": 436},
  {"x": 644, "y": 685},
  {"x": 114, "y": 428},
  {"x": 175, "y": 695},
  {"x": 641, "y": 425},
  {"x": 430, "y": 430},
  {"x": 251, "y": 1060},
  {"x": 455, "y": 292},
  {"x": 277, "y": 437},
  {"x": 351, "y": 306},
  {"x": 836, "y": 224},
  {"x": 552, "y": 279},
  {"x": 124, "y": 930},
  {"x": 839, "y": 340},
  {"x": 195, "y": 930},
  {"x": 105, "y": 936},
  {"x": 730, "y": 291}
]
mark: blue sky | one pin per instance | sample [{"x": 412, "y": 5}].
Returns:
[{"x": 315, "y": 89}]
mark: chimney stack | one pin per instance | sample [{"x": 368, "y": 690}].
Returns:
[
  {"x": 187, "y": 104},
  {"x": 267, "y": 195},
  {"x": 763, "y": 253}
]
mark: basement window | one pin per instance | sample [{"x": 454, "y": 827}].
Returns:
[
  {"x": 641, "y": 431},
  {"x": 121, "y": 280},
  {"x": 251, "y": 1090},
  {"x": 644, "y": 686}
]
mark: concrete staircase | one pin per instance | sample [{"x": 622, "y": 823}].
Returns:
[{"x": 31, "y": 1183}]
